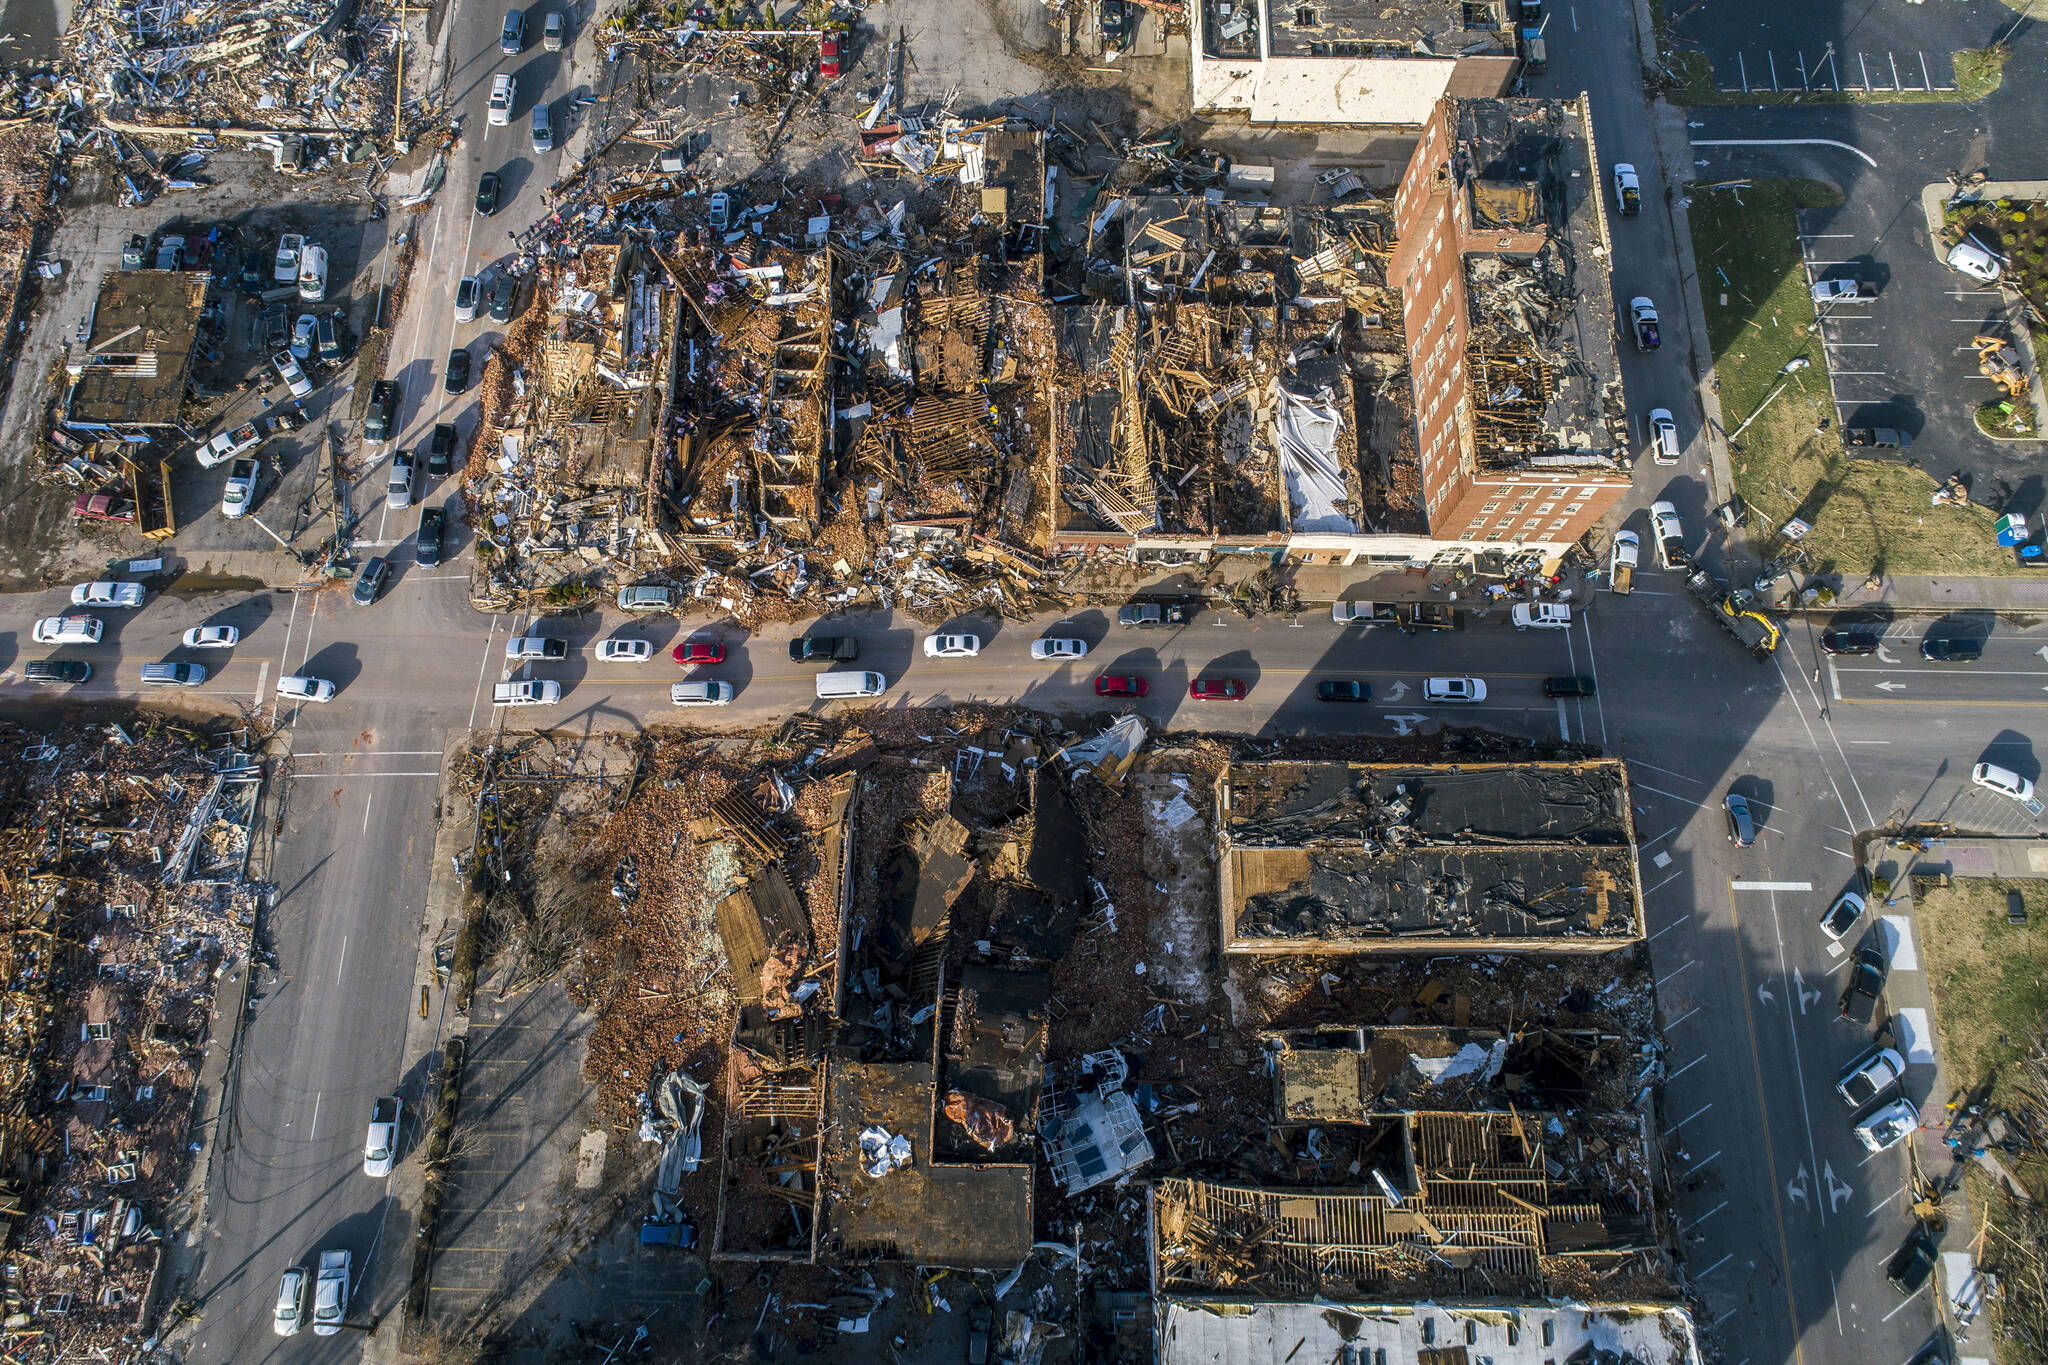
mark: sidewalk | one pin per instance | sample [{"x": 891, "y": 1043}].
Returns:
[{"x": 1937, "y": 595}]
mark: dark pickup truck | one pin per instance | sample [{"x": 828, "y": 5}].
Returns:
[
  {"x": 1866, "y": 984},
  {"x": 1876, "y": 438},
  {"x": 1152, "y": 614},
  {"x": 819, "y": 649}
]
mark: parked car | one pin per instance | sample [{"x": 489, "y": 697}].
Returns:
[
  {"x": 75, "y": 629},
  {"x": 553, "y": 30},
  {"x": 1059, "y": 647},
  {"x": 1642, "y": 316},
  {"x": 2004, "y": 781},
  {"x": 815, "y": 649},
  {"x": 331, "y": 1292},
  {"x": 1889, "y": 1126},
  {"x": 698, "y": 652},
  {"x": 700, "y": 693},
  {"x": 1121, "y": 685},
  {"x": 286, "y": 267},
  {"x": 1913, "y": 1262},
  {"x": 487, "y": 193},
  {"x": 328, "y": 339},
  {"x": 1829, "y": 291},
  {"x": 212, "y": 637},
  {"x": 70, "y": 672},
  {"x": 1971, "y": 258},
  {"x": 1541, "y": 616},
  {"x": 255, "y": 276},
  {"x": 529, "y": 692},
  {"x": 1870, "y": 1075},
  {"x": 1628, "y": 190},
  {"x": 302, "y": 687},
  {"x": 1951, "y": 649},
  {"x": 427, "y": 546},
  {"x": 1114, "y": 19},
  {"x": 313, "y": 274},
  {"x": 1741, "y": 822},
  {"x": 380, "y": 1143},
  {"x": 536, "y": 647},
  {"x": 503, "y": 91},
  {"x": 1866, "y": 984},
  {"x": 718, "y": 211},
  {"x": 294, "y": 1289},
  {"x": 107, "y": 593},
  {"x": 380, "y": 423},
  {"x": 103, "y": 507},
  {"x": 1216, "y": 689},
  {"x": 1841, "y": 917},
  {"x": 468, "y": 290},
  {"x": 541, "y": 125},
  {"x": 504, "y": 293},
  {"x": 512, "y": 38},
  {"x": 646, "y": 597},
  {"x": 370, "y": 582},
  {"x": 1146, "y": 614},
  {"x": 458, "y": 370},
  {"x": 1453, "y": 690},
  {"x": 294, "y": 377},
  {"x": 944, "y": 646},
  {"x": 1343, "y": 689},
  {"x": 1850, "y": 640},
  {"x": 440, "y": 450},
  {"x": 303, "y": 335},
  {"x": 624, "y": 650},
  {"x": 1664, "y": 446},
  {"x": 239, "y": 493},
  {"x": 398, "y": 486},
  {"x": 173, "y": 675},
  {"x": 828, "y": 56}
]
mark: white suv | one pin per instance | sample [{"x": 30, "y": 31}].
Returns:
[
  {"x": 1448, "y": 690},
  {"x": 2004, "y": 781},
  {"x": 502, "y": 91},
  {"x": 69, "y": 630}
]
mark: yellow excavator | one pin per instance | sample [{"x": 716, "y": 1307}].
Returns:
[{"x": 1999, "y": 362}]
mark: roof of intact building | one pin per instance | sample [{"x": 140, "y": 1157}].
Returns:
[
  {"x": 1393, "y": 858},
  {"x": 138, "y": 354},
  {"x": 1238, "y": 1332},
  {"x": 1375, "y": 28}
]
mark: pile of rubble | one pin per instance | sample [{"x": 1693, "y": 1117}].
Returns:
[{"x": 123, "y": 849}]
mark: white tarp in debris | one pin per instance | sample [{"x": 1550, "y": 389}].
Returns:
[
  {"x": 1469, "y": 1060},
  {"x": 675, "y": 1120},
  {"x": 882, "y": 1151},
  {"x": 1308, "y": 459},
  {"x": 1110, "y": 754}
]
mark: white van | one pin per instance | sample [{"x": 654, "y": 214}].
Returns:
[
  {"x": 313, "y": 274},
  {"x": 836, "y": 686},
  {"x": 699, "y": 693}
]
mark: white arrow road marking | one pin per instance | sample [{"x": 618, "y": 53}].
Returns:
[
  {"x": 1891, "y": 687},
  {"x": 2042, "y": 651},
  {"x": 1763, "y": 993},
  {"x": 1837, "y": 1191},
  {"x": 1400, "y": 689},
  {"x": 1796, "y": 1187},
  {"x": 1885, "y": 658},
  {"x": 1405, "y": 724},
  {"x": 1805, "y": 996}
]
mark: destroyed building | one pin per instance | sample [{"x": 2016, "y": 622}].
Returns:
[
  {"x": 1520, "y": 424},
  {"x": 1334, "y": 857},
  {"x": 1353, "y": 62},
  {"x": 129, "y": 375},
  {"x": 1194, "y": 1329}
]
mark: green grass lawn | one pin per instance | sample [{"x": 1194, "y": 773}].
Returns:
[{"x": 1867, "y": 515}]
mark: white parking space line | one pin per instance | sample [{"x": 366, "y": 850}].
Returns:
[
  {"x": 1771, "y": 886},
  {"x": 1658, "y": 791},
  {"x": 1916, "y": 1040},
  {"x": 1899, "y": 948}
]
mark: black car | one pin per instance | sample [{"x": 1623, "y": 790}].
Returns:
[
  {"x": 1115, "y": 18},
  {"x": 503, "y": 293},
  {"x": 1951, "y": 649},
  {"x": 458, "y": 370},
  {"x": 433, "y": 529},
  {"x": 1741, "y": 824},
  {"x": 1912, "y": 1262},
  {"x": 1850, "y": 640},
  {"x": 818, "y": 649},
  {"x": 1343, "y": 689},
  {"x": 73, "y": 671},
  {"x": 381, "y": 420},
  {"x": 487, "y": 193},
  {"x": 440, "y": 450},
  {"x": 370, "y": 581},
  {"x": 255, "y": 272},
  {"x": 1574, "y": 685},
  {"x": 1866, "y": 983}
]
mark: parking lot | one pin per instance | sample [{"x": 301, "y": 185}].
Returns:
[{"x": 1887, "y": 45}]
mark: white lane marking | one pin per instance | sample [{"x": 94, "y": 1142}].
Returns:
[
  {"x": 1682, "y": 1018},
  {"x": 1879, "y": 1208},
  {"x": 1687, "y": 1067},
  {"x": 1667, "y": 928},
  {"x": 1903, "y": 1302},
  {"x": 1665, "y": 835},
  {"x": 365, "y": 753},
  {"x": 1638, "y": 763},
  {"x": 1666, "y": 882},
  {"x": 1716, "y": 1266},
  {"x": 1659, "y": 791},
  {"x": 1786, "y": 141},
  {"x": 1674, "y": 971},
  {"x": 490, "y": 638},
  {"x": 314, "y": 1131},
  {"x": 262, "y": 682},
  {"x": 1690, "y": 1117},
  {"x": 1771, "y": 886},
  {"x": 1695, "y": 1167},
  {"x": 1714, "y": 1210},
  {"x": 1564, "y": 726},
  {"x": 1834, "y": 680},
  {"x": 341, "y": 960},
  {"x": 368, "y": 801},
  {"x": 1786, "y": 972}
]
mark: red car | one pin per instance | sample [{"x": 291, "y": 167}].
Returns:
[
  {"x": 828, "y": 56},
  {"x": 1121, "y": 685},
  {"x": 1216, "y": 689},
  {"x": 698, "y": 652}
]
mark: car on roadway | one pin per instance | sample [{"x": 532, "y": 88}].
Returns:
[
  {"x": 380, "y": 422},
  {"x": 330, "y": 1292},
  {"x": 1642, "y": 317},
  {"x": 536, "y": 647},
  {"x": 487, "y": 186},
  {"x": 504, "y": 293},
  {"x": 1343, "y": 689},
  {"x": 1870, "y": 1075},
  {"x": 458, "y": 370},
  {"x": 370, "y": 582},
  {"x": 503, "y": 91},
  {"x": 819, "y": 649},
  {"x": 106, "y": 593},
  {"x": 239, "y": 492},
  {"x": 294, "y": 1288},
  {"x": 1628, "y": 190},
  {"x": 1451, "y": 691},
  {"x": 1913, "y": 1262},
  {"x": 1059, "y": 647},
  {"x": 1866, "y": 983},
  {"x": 2004, "y": 781},
  {"x": 1969, "y": 257},
  {"x": 468, "y": 290},
  {"x": 1741, "y": 820},
  {"x": 303, "y": 333},
  {"x": 512, "y": 38},
  {"x": 292, "y": 373},
  {"x": 828, "y": 56},
  {"x": 212, "y": 637},
  {"x": 173, "y": 675},
  {"x": 1841, "y": 917},
  {"x": 1850, "y": 640},
  {"x": 698, "y": 652},
  {"x": 398, "y": 487},
  {"x": 646, "y": 597},
  {"x": 1889, "y": 1126},
  {"x": 1217, "y": 689},
  {"x": 76, "y": 629},
  {"x": 553, "y": 29},
  {"x": 440, "y": 450},
  {"x": 701, "y": 693},
  {"x": 943, "y": 646},
  {"x": 1568, "y": 685},
  {"x": 380, "y": 1142},
  {"x": 1951, "y": 649},
  {"x": 1541, "y": 616},
  {"x": 431, "y": 542},
  {"x": 68, "y": 671},
  {"x": 624, "y": 650},
  {"x": 1121, "y": 685},
  {"x": 541, "y": 125},
  {"x": 304, "y": 687},
  {"x": 1664, "y": 446},
  {"x": 290, "y": 247},
  {"x": 528, "y": 692},
  {"x": 1144, "y": 615}
]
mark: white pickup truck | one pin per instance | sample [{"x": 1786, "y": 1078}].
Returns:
[
  {"x": 225, "y": 445},
  {"x": 330, "y": 1293},
  {"x": 1621, "y": 562},
  {"x": 532, "y": 692}
]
